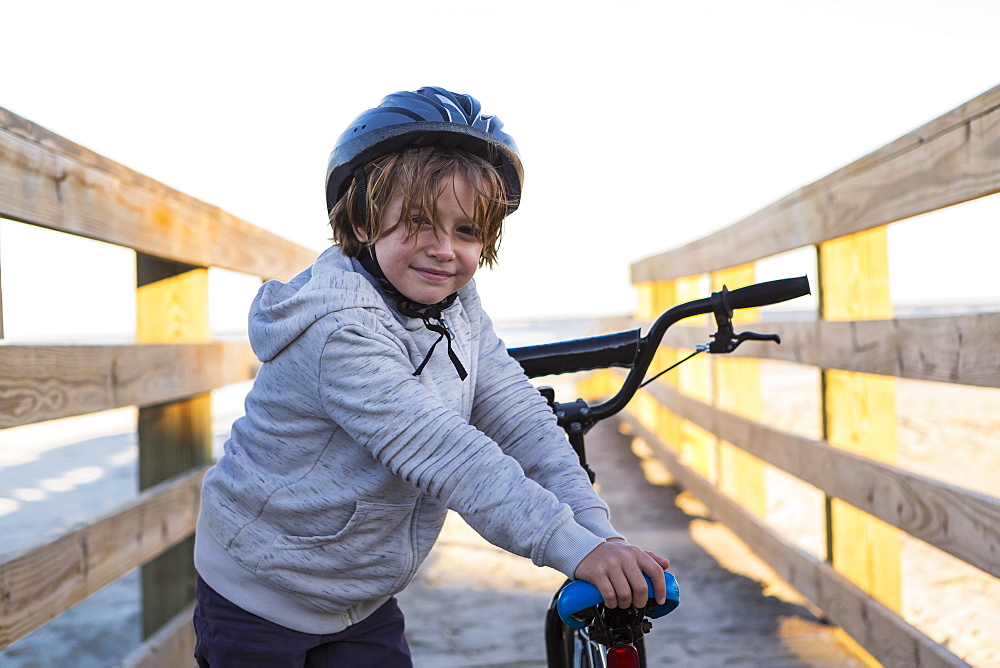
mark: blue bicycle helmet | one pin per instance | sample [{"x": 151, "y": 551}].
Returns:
[{"x": 429, "y": 116}]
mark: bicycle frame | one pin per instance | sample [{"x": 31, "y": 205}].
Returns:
[{"x": 614, "y": 638}]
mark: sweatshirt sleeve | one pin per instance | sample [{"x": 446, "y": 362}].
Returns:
[
  {"x": 367, "y": 388},
  {"x": 535, "y": 440}
]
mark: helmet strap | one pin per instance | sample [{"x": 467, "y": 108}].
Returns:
[{"x": 361, "y": 192}]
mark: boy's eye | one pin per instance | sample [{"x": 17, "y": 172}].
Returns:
[{"x": 469, "y": 230}]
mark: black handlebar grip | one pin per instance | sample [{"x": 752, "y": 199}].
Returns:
[
  {"x": 770, "y": 292},
  {"x": 598, "y": 352}
]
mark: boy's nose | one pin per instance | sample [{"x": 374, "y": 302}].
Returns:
[{"x": 442, "y": 247}]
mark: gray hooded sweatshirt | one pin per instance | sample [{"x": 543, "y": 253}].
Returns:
[{"x": 334, "y": 485}]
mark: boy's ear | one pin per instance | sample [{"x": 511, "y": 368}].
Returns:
[{"x": 360, "y": 235}]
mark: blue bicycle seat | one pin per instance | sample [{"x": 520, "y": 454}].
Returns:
[{"x": 580, "y": 595}]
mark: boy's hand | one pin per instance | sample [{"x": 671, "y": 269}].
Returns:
[{"x": 616, "y": 567}]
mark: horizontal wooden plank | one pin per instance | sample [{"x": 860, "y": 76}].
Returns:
[
  {"x": 170, "y": 647},
  {"x": 954, "y": 349},
  {"x": 44, "y": 582},
  {"x": 961, "y": 522},
  {"x": 952, "y": 159},
  {"x": 49, "y": 181},
  {"x": 883, "y": 633},
  {"x": 47, "y": 382}
]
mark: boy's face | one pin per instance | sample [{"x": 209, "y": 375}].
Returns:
[{"x": 430, "y": 264}]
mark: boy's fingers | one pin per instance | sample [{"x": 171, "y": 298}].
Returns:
[
  {"x": 659, "y": 586},
  {"x": 622, "y": 588},
  {"x": 654, "y": 569},
  {"x": 616, "y": 569},
  {"x": 608, "y": 591},
  {"x": 662, "y": 561},
  {"x": 634, "y": 568},
  {"x": 640, "y": 590}
]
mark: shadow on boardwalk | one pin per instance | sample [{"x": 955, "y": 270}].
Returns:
[{"x": 474, "y": 605}]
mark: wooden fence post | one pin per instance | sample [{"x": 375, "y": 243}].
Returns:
[
  {"x": 660, "y": 296},
  {"x": 171, "y": 307},
  {"x": 736, "y": 388},
  {"x": 698, "y": 448},
  {"x": 1, "y": 303},
  {"x": 860, "y": 411}
]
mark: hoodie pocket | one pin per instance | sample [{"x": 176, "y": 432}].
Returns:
[{"x": 369, "y": 558}]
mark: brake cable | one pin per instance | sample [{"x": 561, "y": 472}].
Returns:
[
  {"x": 699, "y": 349},
  {"x": 724, "y": 339}
]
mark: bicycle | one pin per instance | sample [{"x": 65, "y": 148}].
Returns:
[{"x": 580, "y": 632}]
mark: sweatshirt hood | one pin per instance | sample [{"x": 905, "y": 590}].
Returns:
[{"x": 282, "y": 311}]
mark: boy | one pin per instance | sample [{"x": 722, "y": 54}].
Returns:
[{"x": 361, "y": 431}]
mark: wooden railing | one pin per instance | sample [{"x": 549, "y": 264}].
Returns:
[
  {"x": 706, "y": 426},
  {"x": 48, "y": 181}
]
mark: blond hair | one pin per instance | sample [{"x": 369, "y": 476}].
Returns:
[{"x": 419, "y": 175}]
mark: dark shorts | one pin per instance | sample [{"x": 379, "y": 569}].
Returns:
[{"x": 231, "y": 637}]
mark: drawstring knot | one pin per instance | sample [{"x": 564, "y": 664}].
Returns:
[{"x": 431, "y": 316}]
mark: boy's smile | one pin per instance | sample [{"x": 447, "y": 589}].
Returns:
[{"x": 432, "y": 261}]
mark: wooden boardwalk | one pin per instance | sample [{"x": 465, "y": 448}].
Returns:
[{"x": 734, "y": 611}]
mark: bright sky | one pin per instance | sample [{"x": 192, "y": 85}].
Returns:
[{"x": 642, "y": 124}]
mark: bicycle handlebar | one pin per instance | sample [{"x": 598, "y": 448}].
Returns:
[
  {"x": 771, "y": 292},
  {"x": 594, "y": 353},
  {"x": 579, "y": 604}
]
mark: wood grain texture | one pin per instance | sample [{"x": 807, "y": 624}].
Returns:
[
  {"x": 44, "y": 582},
  {"x": 170, "y": 647},
  {"x": 736, "y": 388},
  {"x": 697, "y": 447},
  {"x": 859, "y": 410},
  {"x": 883, "y": 633},
  {"x": 1, "y": 303},
  {"x": 954, "y": 158},
  {"x": 49, "y": 181},
  {"x": 963, "y": 523},
  {"x": 47, "y": 382},
  {"x": 174, "y": 437},
  {"x": 961, "y": 349}
]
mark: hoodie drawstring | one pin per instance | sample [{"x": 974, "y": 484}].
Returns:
[{"x": 430, "y": 314}]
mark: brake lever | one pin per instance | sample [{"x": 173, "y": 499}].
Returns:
[{"x": 727, "y": 342}]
